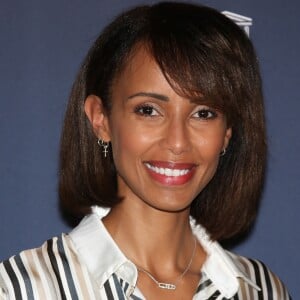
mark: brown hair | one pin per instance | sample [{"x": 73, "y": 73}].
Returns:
[{"x": 201, "y": 52}]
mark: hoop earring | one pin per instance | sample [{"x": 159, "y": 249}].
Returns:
[
  {"x": 104, "y": 145},
  {"x": 223, "y": 152}
]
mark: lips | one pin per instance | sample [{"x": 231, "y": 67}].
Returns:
[{"x": 169, "y": 173}]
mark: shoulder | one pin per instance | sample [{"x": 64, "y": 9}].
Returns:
[
  {"x": 38, "y": 272},
  {"x": 255, "y": 272}
]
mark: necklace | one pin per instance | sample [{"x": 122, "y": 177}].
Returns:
[{"x": 169, "y": 285}]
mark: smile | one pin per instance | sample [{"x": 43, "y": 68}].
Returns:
[{"x": 167, "y": 171}]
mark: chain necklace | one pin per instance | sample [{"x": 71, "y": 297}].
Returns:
[{"x": 169, "y": 285}]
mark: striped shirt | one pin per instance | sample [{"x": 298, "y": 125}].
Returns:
[{"x": 87, "y": 264}]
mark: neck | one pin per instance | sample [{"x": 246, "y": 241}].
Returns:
[{"x": 153, "y": 239}]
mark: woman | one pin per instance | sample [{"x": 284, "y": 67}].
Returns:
[{"x": 164, "y": 138}]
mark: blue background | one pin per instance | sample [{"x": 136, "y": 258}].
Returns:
[{"x": 42, "y": 46}]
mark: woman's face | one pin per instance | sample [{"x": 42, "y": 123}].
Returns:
[{"x": 165, "y": 147}]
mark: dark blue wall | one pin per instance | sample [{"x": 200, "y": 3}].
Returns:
[{"x": 42, "y": 45}]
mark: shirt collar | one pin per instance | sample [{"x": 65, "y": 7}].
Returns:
[
  {"x": 99, "y": 251},
  {"x": 220, "y": 267},
  {"x": 103, "y": 257}
]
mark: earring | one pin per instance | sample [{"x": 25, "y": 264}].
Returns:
[
  {"x": 104, "y": 145},
  {"x": 223, "y": 152}
]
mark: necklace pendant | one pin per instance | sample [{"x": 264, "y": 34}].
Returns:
[{"x": 167, "y": 286}]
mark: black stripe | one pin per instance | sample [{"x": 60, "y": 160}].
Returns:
[
  {"x": 214, "y": 295},
  {"x": 268, "y": 281},
  {"x": 67, "y": 269},
  {"x": 257, "y": 278},
  {"x": 108, "y": 291},
  {"x": 25, "y": 276},
  {"x": 126, "y": 287},
  {"x": 55, "y": 268},
  {"x": 203, "y": 285},
  {"x": 236, "y": 297},
  {"x": 13, "y": 279},
  {"x": 135, "y": 297},
  {"x": 118, "y": 287}
]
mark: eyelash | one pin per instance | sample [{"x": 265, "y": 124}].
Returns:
[
  {"x": 206, "y": 114},
  {"x": 147, "y": 110},
  {"x": 140, "y": 110}
]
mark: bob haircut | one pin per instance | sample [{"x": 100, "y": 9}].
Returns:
[{"x": 206, "y": 58}]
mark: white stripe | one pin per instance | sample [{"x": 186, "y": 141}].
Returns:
[
  {"x": 207, "y": 291},
  {"x": 31, "y": 276},
  {"x": 103, "y": 295},
  {"x": 72, "y": 268},
  {"x": 286, "y": 295},
  {"x": 263, "y": 280},
  {"x": 274, "y": 286},
  {"x": 3, "y": 295},
  {"x": 249, "y": 269},
  {"x": 45, "y": 286},
  {"x": 113, "y": 287},
  {"x": 247, "y": 289},
  {"x": 8, "y": 284},
  {"x": 88, "y": 282},
  {"x": 55, "y": 294},
  {"x": 244, "y": 289},
  {"x": 280, "y": 291},
  {"x": 61, "y": 270},
  {"x": 20, "y": 278}
]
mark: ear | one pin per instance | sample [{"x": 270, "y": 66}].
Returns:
[
  {"x": 227, "y": 137},
  {"x": 95, "y": 112}
]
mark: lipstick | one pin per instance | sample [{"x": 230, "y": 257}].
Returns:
[{"x": 170, "y": 173}]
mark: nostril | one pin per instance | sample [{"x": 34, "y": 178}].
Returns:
[{"x": 177, "y": 139}]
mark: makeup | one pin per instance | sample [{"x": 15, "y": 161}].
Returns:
[{"x": 170, "y": 173}]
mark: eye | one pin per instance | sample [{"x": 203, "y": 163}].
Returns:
[
  {"x": 205, "y": 113},
  {"x": 146, "y": 110}
]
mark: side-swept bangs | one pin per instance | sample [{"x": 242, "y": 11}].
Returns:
[{"x": 204, "y": 55}]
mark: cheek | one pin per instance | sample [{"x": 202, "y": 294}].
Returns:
[
  {"x": 129, "y": 143},
  {"x": 120, "y": 141},
  {"x": 211, "y": 144},
  {"x": 209, "y": 153}
]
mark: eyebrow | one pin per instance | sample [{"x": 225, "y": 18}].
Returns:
[{"x": 151, "y": 95}]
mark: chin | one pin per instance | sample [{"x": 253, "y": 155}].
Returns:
[{"x": 172, "y": 207}]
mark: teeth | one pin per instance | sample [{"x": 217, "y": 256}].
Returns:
[{"x": 167, "y": 171}]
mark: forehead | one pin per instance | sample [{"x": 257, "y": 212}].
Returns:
[
  {"x": 140, "y": 71},
  {"x": 143, "y": 71}
]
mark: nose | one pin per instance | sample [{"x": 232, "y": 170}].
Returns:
[{"x": 176, "y": 136}]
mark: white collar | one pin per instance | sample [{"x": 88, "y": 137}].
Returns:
[
  {"x": 102, "y": 256},
  {"x": 99, "y": 251},
  {"x": 220, "y": 267}
]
